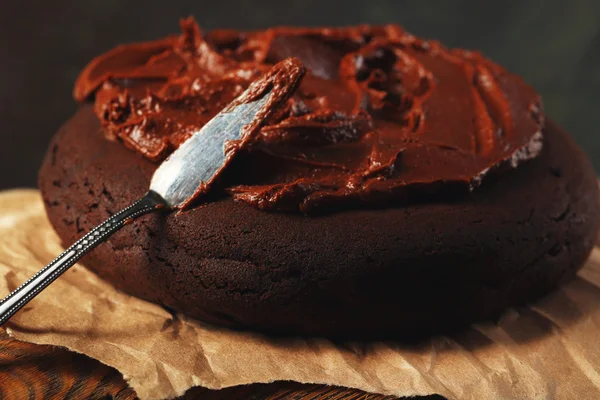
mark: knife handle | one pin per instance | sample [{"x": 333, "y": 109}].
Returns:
[{"x": 34, "y": 285}]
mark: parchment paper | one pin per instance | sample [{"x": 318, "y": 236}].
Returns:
[{"x": 548, "y": 350}]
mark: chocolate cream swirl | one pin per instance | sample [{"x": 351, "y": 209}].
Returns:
[{"x": 381, "y": 117}]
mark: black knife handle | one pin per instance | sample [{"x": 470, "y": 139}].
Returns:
[{"x": 38, "y": 282}]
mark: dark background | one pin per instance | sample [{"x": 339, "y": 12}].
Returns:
[{"x": 554, "y": 44}]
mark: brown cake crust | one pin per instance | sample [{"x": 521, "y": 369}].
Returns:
[{"x": 392, "y": 272}]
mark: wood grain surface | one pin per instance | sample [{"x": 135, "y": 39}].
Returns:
[{"x": 29, "y": 371}]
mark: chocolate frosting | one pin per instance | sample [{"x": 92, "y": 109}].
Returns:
[{"x": 380, "y": 118}]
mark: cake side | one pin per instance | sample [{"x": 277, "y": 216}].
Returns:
[{"x": 391, "y": 272}]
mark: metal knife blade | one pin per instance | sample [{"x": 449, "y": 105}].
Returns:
[
  {"x": 192, "y": 168},
  {"x": 198, "y": 159}
]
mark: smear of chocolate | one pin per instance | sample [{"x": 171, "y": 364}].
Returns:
[{"x": 380, "y": 116}]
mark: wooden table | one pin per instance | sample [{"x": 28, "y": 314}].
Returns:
[{"x": 29, "y": 371}]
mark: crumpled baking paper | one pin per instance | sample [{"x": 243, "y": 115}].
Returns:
[{"x": 548, "y": 350}]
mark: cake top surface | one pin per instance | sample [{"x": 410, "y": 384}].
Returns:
[{"x": 380, "y": 118}]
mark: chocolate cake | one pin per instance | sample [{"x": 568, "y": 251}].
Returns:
[{"x": 403, "y": 189}]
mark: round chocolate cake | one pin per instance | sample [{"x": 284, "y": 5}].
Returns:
[{"x": 401, "y": 189}]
